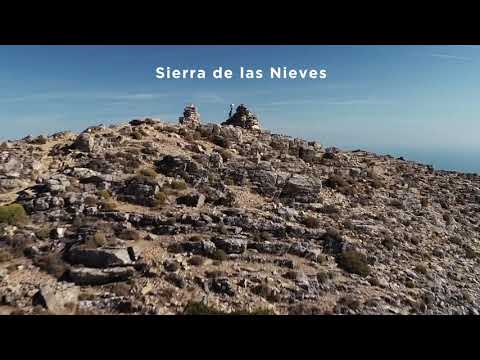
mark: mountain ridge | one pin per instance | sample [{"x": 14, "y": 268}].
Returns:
[{"x": 154, "y": 218}]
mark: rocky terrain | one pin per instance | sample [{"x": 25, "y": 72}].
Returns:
[{"x": 156, "y": 218}]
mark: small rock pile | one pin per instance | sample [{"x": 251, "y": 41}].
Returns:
[
  {"x": 243, "y": 118},
  {"x": 190, "y": 117}
]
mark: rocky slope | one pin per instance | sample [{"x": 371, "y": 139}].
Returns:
[{"x": 155, "y": 218}]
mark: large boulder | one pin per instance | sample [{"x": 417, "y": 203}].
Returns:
[
  {"x": 84, "y": 142},
  {"x": 174, "y": 166},
  {"x": 60, "y": 298},
  {"x": 231, "y": 246},
  {"x": 268, "y": 247},
  {"x": 215, "y": 160},
  {"x": 218, "y": 196},
  {"x": 280, "y": 143},
  {"x": 9, "y": 184},
  {"x": 221, "y": 285},
  {"x": 202, "y": 247},
  {"x": 264, "y": 181},
  {"x": 101, "y": 257},
  {"x": 192, "y": 200},
  {"x": 10, "y": 165},
  {"x": 333, "y": 243},
  {"x": 302, "y": 188},
  {"x": 90, "y": 276},
  {"x": 82, "y": 173},
  {"x": 140, "y": 190},
  {"x": 57, "y": 183},
  {"x": 309, "y": 154},
  {"x": 231, "y": 133}
]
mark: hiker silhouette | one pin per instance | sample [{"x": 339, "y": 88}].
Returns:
[{"x": 231, "y": 110}]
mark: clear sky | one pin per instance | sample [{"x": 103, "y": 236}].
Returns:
[{"x": 418, "y": 101}]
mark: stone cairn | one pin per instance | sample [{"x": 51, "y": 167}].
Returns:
[
  {"x": 190, "y": 116},
  {"x": 243, "y": 118}
]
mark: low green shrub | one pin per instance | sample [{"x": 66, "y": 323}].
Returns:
[
  {"x": 226, "y": 155},
  {"x": 160, "y": 199},
  {"x": 470, "y": 253},
  {"x": 253, "y": 312},
  {"x": 100, "y": 238},
  {"x": 388, "y": 243},
  {"x": 221, "y": 141},
  {"x": 198, "y": 308},
  {"x": 109, "y": 205},
  {"x": 175, "y": 248},
  {"x": 51, "y": 264},
  {"x": 4, "y": 255},
  {"x": 148, "y": 172},
  {"x": 222, "y": 229},
  {"x": 353, "y": 262},
  {"x": 90, "y": 201},
  {"x": 43, "y": 233},
  {"x": 219, "y": 255},
  {"x": 311, "y": 222},
  {"x": 129, "y": 235},
  {"x": 105, "y": 194},
  {"x": 335, "y": 181},
  {"x": 178, "y": 185},
  {"x": 262, "y": 236},
  {"x": 40, "y": 140},
  {"x": 13, "y": 214},
  {"x": 421, "y": 269},
  {"x": 97, "y": 240},
  {"x": 196, "y": 260}
]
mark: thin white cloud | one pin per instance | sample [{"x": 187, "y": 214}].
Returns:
[
  {"x": 342, "y": 101},
  {"x": 451, "y": 57},
  {"x": 208, "y": 98},
  {"x": 50, "y": 96},
  {"x": 362, "y": 101},
  {"x": 138, "y": 96},
  {"x": 343, "y": 86},
  {"x": 30, "y": 97},
  {"x": 294, "y": 102}
]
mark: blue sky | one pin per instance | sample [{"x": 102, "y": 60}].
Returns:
[{"x": 421, "y": 101}]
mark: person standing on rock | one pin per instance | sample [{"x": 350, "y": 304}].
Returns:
[{"x": 231, "y": 110}]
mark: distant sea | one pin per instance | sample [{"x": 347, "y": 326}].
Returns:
[
  {"x": 444, "y": 159},
  {"x": 450, "y": 158}
]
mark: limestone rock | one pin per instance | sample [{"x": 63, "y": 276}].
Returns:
[
  {"x": 215, "y": 160},
  {"x": 91, "y": 276},
  {"x": 59, "y": 299},
  {"x": 84, "y": 142},
  {"x": 192, "y": 200},
  {"x": 179, "y": 166},
  {"x": 221, "y": 286},
  {"x": 203, "y": 247},
  {"x": 302, "y": 188},
  {"x": 101, "y": 257},
  {"x": 258, "y": 220},
  {"x": 231, "y": 245}
]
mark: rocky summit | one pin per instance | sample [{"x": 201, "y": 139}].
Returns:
[
  {"x": 157, "y": 218},
  {"x": 243, "y": 118}
]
